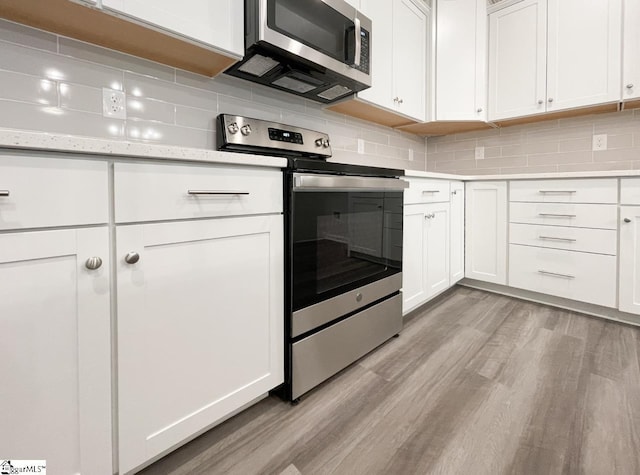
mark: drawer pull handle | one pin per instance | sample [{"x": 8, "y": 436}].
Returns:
[
  {"x": 553, "y": 215},
  {"x": 217, "y": 192},
  {"x": 557, "y": 192},
  {"x": 555, "y": 274},
  {"x": 4, "y": 193},
  {"x": 431, "y": 191},
  {"x": 551, "y": 238}
]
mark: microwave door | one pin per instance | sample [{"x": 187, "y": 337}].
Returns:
[{"x": 328, "y": 33}]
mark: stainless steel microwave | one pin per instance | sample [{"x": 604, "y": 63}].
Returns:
[{"x": 318, "y": 49}]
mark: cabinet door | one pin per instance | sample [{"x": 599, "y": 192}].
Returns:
[
  {"x": 457, "y": 231},
  {"x": 55, "y": 358},
  {"x": 414, "y": 255},
  {"x": 219, "y": 24},
  {"x": 409, "y": 59},
  {"x": 461, "y": 45},
  {"x": 381, "y": 90},
  {"x": 437, "y": 248},
  {"x": 630, "y": 259},
  {"x": 517, "y": 60},
  {"x": 584, "y": 53},
  {"x": 631, "y": 58},
  {"x": 200, "y": 327},
  {"x": 486, "y": 231}
]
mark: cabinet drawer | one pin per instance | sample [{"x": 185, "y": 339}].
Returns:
[
  {"x": 38, "y": 192},
  {"x": 426, "y": 191},
  {"x": 566, "y": 191},
  {"x": 630, "y": 191},
  {"x": 599, "y": 241},
  {"x": 589, "y": 278},
  {"x": 153, "y": 192},
  {"x": 558, "y": 214}
]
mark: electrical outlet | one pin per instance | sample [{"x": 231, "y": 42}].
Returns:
[
  {"x": 411, "y": 155},
  {"x": 599, "y": 142},
  {"x": 360, "y": 146},
  {"x": 479, "y": 153},
  {"x": 114, "y": 104}
]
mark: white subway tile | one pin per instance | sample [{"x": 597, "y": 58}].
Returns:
[{"x": 25, "y": 88}]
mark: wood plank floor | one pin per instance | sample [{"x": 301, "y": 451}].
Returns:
[{"x": 475, "y": 384}]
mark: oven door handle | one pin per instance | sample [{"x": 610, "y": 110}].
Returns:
[{"x": 310, "y": 182}]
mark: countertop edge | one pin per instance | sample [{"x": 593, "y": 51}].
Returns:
[{"x": 46, "y": 142}]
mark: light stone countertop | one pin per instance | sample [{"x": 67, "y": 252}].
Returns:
[{"x": 26, "y": 140}]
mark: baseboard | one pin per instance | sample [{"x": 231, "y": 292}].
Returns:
[{"x": 566, "y": 304}]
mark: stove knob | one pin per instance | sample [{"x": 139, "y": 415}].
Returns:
[
  {"x": 246, "y": 129},
  {"x": 233, "y": 128},
  {"x": 319, "y": 142},
  {"x": 325, "y": 143}
]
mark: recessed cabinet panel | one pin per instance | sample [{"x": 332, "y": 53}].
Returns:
[
  {"x": 517, "y": 60},
  {"x": 200, "y": 326},
  {"x": 56, "y": 350},
  {"x": 486, "y": 231},
  {"x": 630, "y": 259},
  {"x": 414, "y": 278},
  {"x": 438, "y": 260}
]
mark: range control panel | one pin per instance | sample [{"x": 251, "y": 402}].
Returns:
[{"x": 243, "y": 134}]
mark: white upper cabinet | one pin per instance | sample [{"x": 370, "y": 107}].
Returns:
[
  {"x": 461, "y": 55},
  {"x": 398, "y": 60},
  {"x": 218, "y": 24},
  {"x": 553, "y": 55},
  {"x": 517, "y": 60},
  {"x": 584, "y": 48},
  {"x": 631, "y": 57}
]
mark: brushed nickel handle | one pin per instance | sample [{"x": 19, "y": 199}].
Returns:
[
  {"x": 358, "y": 297},
  {"x": 553, "y": 192},
  {"x": 5, "y": 192},
  {"x": 479, "y": 109},
  {"x": 627, "y": 220},
  {"x": 454, "y": 192},
  {"x": 553, "y": 215},
  {"x": 629, "y": 86},
  {"x": 540, "y": 101},
  {"x": 217, "y": 192},
  {"x": 551, "y": 99},
  {"x": 551, "y": 238},
  {"x": 93, "y": 263},
  {"x": 431, "y": 191},
  {"x": 132, "y": 257},
  {"x": 400, "y": 101},
  {"x": 555, "y": 274},
  {"x": 396, "y": 99}
]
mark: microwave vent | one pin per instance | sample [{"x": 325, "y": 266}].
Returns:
[
  {"x": 294, "y": 84},
  {"x": 258, "y": 65},
  {"x": 334, "y": 92}
]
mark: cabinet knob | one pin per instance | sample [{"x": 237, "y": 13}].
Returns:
[
  {"x": 627, "y": 220},
  {"x": 93, "y": 263},
  {"x": 400, "y": 101},
  {"x": 395, "y": 99},
  {"x": 358, "y": 297},
  {"x": 454, "y": 192},
  {"x": 540, "y": 101},
  {"x": 629, "y": 86},
  {"x": 132, "y": 257},
  {"x": 551, "y": 99},
  {"x": 479, "y": 110}
]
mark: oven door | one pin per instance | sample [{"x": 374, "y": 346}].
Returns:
[
  {"x": 345, "y": 234},
  {"x": 330, "y": 33}
]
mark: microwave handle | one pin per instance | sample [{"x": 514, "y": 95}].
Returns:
[{"x": 358, "y": 42}]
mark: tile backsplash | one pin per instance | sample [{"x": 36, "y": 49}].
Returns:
[
  {"x": 563, "y": 145},
  {"x": 54, "y": 84}
]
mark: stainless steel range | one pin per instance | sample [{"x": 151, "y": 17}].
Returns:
[{"x": 343, "y": 238}]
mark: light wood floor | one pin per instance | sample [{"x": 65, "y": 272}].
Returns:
[{"x": 475, "y": 384}]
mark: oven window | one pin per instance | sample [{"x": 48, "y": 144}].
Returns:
[
  {"x": 342, "y": 241},
  {"x": 312, "y": 23}
]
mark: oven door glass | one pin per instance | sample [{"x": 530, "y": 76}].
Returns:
[
  {"x": 342, "y": 241},
  {"x": 314, "y": 24}
]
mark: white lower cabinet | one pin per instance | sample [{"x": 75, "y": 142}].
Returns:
[
  {"x": 55, "y": 359},
  {"x": 486, "y": 231},
  {"x": 630, "y": 259},
  {"x": 457, "y": 232},
  {"x": 426, "y": 253},
  {"x": 200, "y": 329}
]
